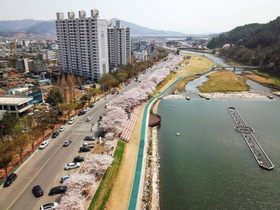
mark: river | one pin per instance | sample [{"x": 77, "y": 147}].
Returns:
[{"x": 209, "y": 166}]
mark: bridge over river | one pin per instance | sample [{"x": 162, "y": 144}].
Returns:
[
  {"x": 250, "y": 139},
  {"x": 236, "y": 67}
]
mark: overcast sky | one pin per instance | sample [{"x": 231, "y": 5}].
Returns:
[{"x": 196, "y": 16}]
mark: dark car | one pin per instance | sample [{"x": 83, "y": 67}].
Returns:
[
  {"x": 81, "y": 113},
  {"x": 79, "y": 159},
  {"x": 66, "y": 143},
  {"x": 91, "y": 106},
  {"x": 89, "y": 138},
  {"x": 37, "y": 191},
  {"x": 84, "y": 149},
  {"x": 55, "y": 134},
  {"x": 10, "y": 179},
  {"x": 58, "y": 189}
]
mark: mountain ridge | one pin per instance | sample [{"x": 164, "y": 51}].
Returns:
[{"x": 47, "y": 28}]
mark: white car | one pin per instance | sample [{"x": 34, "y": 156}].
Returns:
[
  {"x": 62, "y": 128},
  {"x": 71, "y": 121},
  {"x": 87, "y": 109},
  {"x": 43, "y": 144},
  {"x": 72, "y": 166},
  {"x": 48, "y": 206},
  {"x": 88, "y": 119}
]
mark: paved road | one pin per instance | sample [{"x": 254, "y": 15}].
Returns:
[{"x": 45, "y": 167}]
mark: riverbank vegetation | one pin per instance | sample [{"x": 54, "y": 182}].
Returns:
[
  {"x": 264, "y": 78},
  {"x": 254, "y": 44},
  {"x": 224, "y": 81}
]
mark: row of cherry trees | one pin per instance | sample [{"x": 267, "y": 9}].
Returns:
[
  {"x": 79, "y": 184},
  {"x": 115, "y": 118}
]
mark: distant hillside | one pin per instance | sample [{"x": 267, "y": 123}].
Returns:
[
  {"x": 137, "y": 30},
  {"x": 256, "y": 44},
  {"x": 17, "y": 25},
  {"x": 47, "y": 28}
]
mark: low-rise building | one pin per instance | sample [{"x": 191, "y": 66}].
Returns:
[{"x": 17, "y": 105}]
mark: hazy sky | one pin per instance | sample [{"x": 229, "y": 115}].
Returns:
[{"x": 204, "y": 16}]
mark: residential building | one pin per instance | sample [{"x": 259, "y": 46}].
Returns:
[
  {"x": 22, "y": 65},
  {"x": 141, "y": 56},
  {"x": 83, "y": 44},
  {"x": 37, "y": 67},
  {"x": 119, "y": 46}
]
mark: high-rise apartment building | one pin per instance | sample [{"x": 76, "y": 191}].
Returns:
[
  {"x": 119, "y": 46},
  {"x": 83, "y": 44}
]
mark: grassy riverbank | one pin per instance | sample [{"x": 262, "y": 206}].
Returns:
[
  {"x": 224, "y": 81},
  {"x": 264, "y": 78},
  {"x": 103, "y": 192},
  {"x": 195, "y": 64}
]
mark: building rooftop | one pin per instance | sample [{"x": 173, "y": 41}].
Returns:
[{"x": 14, "y": 100}]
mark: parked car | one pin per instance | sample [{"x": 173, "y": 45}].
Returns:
[
  {"x": 71, "y": 121},
  {"x": 86, "y": 109},
  {"x": 72, "y": 166},
  {"x": 10, "y": 179},
  {"x": 37, "y": 191},
  {"x": 58, "y": 189},
  {"x": 89, "y": 138},
  {"x": 81, "y": 113},
  {"x": 62, "y": 128},
  {"x": 63, "y": 178},
  {"x": 89, "y": 145},
  {"x": 91, "y": 106},
  {"x": 43, "y": 145},
  {"x": 89, "y": 119},
  {"x": 84, "y": 149},
  {"x": 66, "y": 143},
  {"x": 55, "y": 134},
  {"x": 49, "y": 206},
  {"x": 79, "y": 159}
]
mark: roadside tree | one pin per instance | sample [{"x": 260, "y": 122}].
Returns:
[
  {"x": 54, "y": 97},
  {"x": 20, "y": 143}
]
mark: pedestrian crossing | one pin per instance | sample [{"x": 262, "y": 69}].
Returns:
[{"x": 82, "y": 128}]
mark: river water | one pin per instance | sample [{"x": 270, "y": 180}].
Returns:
[{"x": 209, "y": 166}]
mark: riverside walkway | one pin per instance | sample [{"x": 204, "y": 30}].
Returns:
[{"x": 250, "y": 139}]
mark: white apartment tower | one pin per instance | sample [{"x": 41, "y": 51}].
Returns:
[
  {"x": 119, "y": 45},
  {"x": 83, "y": 44}
]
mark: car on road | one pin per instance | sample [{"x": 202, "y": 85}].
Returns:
[
  {"x": 43, "y": 145},
  {"x": 106, "y": 105},
  {"x": 84, "y": 149},
  {"x": 89, "y": 119},
  {"x": 37, "y": 191},
  {"x": 10, "y": 179},
  {"x": 67, "y": 143},
  {"x": 86, "y": 109},
  {"x": 89, "y": 138},
  {"x": 55, "y": 134},
  {"x": 91, "y": 106},
  {"x": 49, "y": 206},
  {"x": 63, "y": 178},
  {"x": 72, "y": 166},
  {"x": 81, "y": 113},
  {"x": 78, "y": 159},
  {"x": 58, "y": 189},
  {"x": 62, "y": 128},
  {"x": 90, "y": 145},
  {"x": 71, "y": 121}
]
